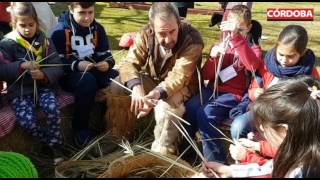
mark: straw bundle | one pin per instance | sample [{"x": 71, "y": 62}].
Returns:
[
  {"x": 145, "y": 165},
  {"x": 120, "y": 121}
]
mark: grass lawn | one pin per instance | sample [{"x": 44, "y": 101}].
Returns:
[{"x": 118, "y": 21}]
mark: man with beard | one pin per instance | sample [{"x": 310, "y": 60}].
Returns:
[{"x": 160, "y": 69}]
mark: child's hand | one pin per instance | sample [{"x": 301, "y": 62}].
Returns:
[
  {"x": 37, "y": 74},
  {"x": 30, "y": 65},
  {"x": 217, "y": 49},
  {"x": 230, "y": 26},
  {"x": 83, "y": 65},
  {"x": 102, "y": 66},
  {"x": 218, "y": 168},
  {"x": 250, "y": 145},
  {"x": 238, "y": 152},
  {"x": 258, "y": 92}
]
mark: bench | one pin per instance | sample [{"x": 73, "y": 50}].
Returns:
[{"x": 8, "y": 118}]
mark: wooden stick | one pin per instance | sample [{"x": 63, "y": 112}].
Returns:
[
  {"x": 85, "y": 71},
  {"x": 7, "y": 89},
  {"x": 221, "y": 132},
  {"x": 46, "y": 57}
]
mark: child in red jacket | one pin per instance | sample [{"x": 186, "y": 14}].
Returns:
[
  {"x": 289, "y": 58},
  {"x": 239, "y": 60},
  {"x": 247, "y": 151},
  {"x": 287, "y": 114}
]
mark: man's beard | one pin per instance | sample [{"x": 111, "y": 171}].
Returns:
[{"x": 168, "y": 46}]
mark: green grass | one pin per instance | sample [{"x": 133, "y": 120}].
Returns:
[{"x": 118, "y": 21}]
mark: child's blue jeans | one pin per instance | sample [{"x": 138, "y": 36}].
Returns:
[
  {"x": 213, "y": 112},
  {"x": 241, "y": 126}
]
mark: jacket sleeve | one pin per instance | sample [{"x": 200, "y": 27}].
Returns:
[
  {"x": 252, "y": 88},
  {"x": 208, "y": 71},
  {"x": 250, "y": 58},
  {"x": 129, "y": 68},
  {"x": 59, "y": 40},
  {"x": 52, "y": 73},
  {"x": 103, "y": 52},
  {"x": 9, "y": 66},
  {"x": 252, "y": 169},
  {"x": 316, "y": 74},
  {"x": 252, "y": 157},
  {"x": 267, "y": 150},
  {"x": 183, "y": 70}
]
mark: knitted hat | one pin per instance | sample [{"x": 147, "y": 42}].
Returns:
[{"x": 14, "y": 165}]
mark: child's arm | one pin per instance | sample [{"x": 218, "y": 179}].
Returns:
[
  {"x": 316, "y": 74},
  {"x": 103, "y": 52},
  {"x": 208, "y": 70},
  {"x": 252, "y": 157},
  {"x": 245, "y": 151},
  {"x": 252, "y": 169},
  {"x": 267, "y": 150},
  {"x": 10, "y": 69},
  {"x": 254, "y": 90},
  {"x": 237, "y": 170},
  {"x": 250, "y": 57}
]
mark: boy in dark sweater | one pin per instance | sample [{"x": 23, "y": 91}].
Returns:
[{"x": 82, "y": 44}]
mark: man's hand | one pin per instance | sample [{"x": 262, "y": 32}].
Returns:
[
  {"x": 83, "y": 65},
  {"x": 102, "y": 66},
  {"x": 137, "y": 98},
  {"x": 37, "y": 74},
  {"x": 30, "y": 65},
  {"x": 221, "y": 170},
  {"x": 149, "y": 102}
]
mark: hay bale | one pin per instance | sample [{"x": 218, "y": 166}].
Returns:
[
  {"x": 131, "y": 166},
  {"x": 120, "y": 121},
  {"x": 18, "y": 141},
  {"x": 22, "y": 142}
]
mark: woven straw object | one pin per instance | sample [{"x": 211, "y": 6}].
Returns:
[
  {"x": 120, "y": 121},
  {"x": 74, "y": 169},
  {"x": 125, "y": 166}
]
